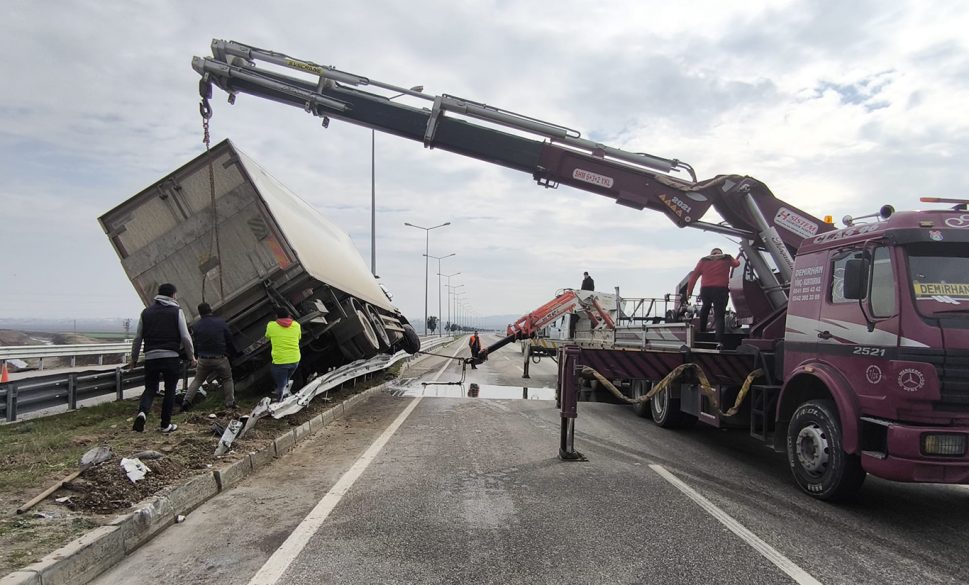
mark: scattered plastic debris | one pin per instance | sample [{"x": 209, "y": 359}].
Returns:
[
  {"x": 63, "y": 500},
  {"x": 134, "y": 469},
  {"x": 179, "y": 519}
]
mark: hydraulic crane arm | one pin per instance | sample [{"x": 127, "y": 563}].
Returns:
[
  {"x": 567, "y": 302},
  {"x": 559, "y": 155}
]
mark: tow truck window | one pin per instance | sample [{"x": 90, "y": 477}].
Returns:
[
  {"x": 882, "y": 292},
  {"x": 939, "y": 278},
  {"x": 838, "y": 280}
]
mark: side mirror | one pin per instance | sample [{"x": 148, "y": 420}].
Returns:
[{"x": 856, "y": 279}]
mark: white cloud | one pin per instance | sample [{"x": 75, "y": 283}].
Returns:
[{"x": 837, "y": 107}]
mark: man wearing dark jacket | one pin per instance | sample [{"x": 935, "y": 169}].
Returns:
[
  {"x": 164, "y": 332},
  {"x": 213, "y": 345},
  {"x": 587, "y": 282}
]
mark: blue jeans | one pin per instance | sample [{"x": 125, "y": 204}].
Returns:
[{"x": 281, "y": 374}]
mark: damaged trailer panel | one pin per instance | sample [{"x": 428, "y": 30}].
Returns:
[{"x": 225, "y": 232}]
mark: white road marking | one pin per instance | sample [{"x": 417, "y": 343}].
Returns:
[
  {"x": 770, "y": 553},
  {"x": 284, "y": 556}
]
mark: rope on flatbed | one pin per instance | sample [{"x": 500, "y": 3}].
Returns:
[{"x": 705, "y": 388}]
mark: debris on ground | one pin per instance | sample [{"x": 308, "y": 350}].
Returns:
[{"x": 134, "y": 469}]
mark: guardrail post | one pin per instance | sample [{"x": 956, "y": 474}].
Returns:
[
  {"x": 73, "y": 361},
  {"x": 11, "y": 402},
  {"x": 118, "y": 388},
  {"x": 72, "y": 391}
]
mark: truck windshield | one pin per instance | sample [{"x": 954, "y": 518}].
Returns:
[{"x": 939, "y": 277}]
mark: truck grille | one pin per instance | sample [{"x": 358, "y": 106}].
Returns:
[{"x": 952, "y": 368}]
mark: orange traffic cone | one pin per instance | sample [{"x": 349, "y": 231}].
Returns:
[{"x": 4, "y": 377}]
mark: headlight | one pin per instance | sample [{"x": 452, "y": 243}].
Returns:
[{"x": 944, "y": 444}]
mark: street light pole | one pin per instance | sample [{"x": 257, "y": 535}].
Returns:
[
  {"x": 449, "y": 293},
  {"x": 439, "y": 258},
  {"x": 458, "y": 306},
  {"x": 427, "y": 244},
  {"x": 373, "y": 190}
]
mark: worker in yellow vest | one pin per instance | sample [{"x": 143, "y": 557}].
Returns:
[{"x": 283, "y": 334}]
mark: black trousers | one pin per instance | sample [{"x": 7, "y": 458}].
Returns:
[
  {"x": 169, "y": 370},
  {"x": 714, "y": 297}
]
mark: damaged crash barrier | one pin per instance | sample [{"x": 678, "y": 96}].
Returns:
[{"x": 703, "y": 383}]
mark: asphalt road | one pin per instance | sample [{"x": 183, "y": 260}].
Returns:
[{"x": 470, "y": 490}]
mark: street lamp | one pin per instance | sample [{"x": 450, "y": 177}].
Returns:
[
  {"x": 373, "y": 189},
  {"x": 439, "y": 258},
  {"x": 457, "y": 308},
  {"x": 427, "y": 243},
  {"x": 449, "y": 291}
]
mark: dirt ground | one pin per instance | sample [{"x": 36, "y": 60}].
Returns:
[{"x": 36, "y": 454}]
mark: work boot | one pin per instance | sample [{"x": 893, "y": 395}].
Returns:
[{"x": 139, "y": 424}]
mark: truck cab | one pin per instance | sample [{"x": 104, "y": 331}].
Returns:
[{"x": 878, "y": 323}]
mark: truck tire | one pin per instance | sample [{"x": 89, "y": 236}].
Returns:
[
  {"x": 666, "y": 412},
  {"x": 378, "y": 326},
  {"x": 411, "y": 342},
  {"x": 367, "y": 340},
  {"x": 820, "y": 466},
  {"x": 639, "y": 388}
]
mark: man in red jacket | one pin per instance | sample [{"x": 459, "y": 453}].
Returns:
[{"x": 715, "y": 272}]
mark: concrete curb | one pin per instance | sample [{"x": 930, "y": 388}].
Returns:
[{"x": 83, "y": 559}]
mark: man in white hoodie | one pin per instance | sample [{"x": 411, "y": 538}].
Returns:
[{"x": 163, "y": 330}]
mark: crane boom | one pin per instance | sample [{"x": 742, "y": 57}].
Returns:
[{"x": 553, "y": 154}]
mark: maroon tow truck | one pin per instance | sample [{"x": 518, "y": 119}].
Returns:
[{"x": 852, "y": 351}]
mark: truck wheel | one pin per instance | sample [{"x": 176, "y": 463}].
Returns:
[
  {"x": 820, "y": 466},
  {"x": 367, "y": 340},
  {"x": 639, "y": 388},
  {"x": 378, "y": 327},
  {"x": 411, "y": 343},
  {"x": 666, "y": 411}
]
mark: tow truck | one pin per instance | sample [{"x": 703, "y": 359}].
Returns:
[{"x": 853, "y": 355}]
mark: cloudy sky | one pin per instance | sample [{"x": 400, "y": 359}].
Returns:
[{"x": 838, "y": 106}]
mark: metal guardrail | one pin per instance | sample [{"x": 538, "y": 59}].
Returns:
[
  {"x": 56, "y": 390},
  {"x": 27, "y": 352}
]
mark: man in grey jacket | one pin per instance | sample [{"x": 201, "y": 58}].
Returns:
[{"x": 163, "y": 330}]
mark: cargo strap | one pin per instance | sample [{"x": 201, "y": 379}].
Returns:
[{"x": 704, "y": 384}]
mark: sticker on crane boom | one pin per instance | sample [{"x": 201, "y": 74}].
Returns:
[
  {"x": 795, "y": 223},
  {"x": 679, "y": 207},
  {"x": 592, "y": 178},
  {"x": 304, "y": 66}
]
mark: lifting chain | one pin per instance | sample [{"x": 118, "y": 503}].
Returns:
[
  {"x": 704, "y": 385},
  {"x": 205, "y": 110}
]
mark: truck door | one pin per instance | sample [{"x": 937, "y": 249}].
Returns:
[{"x": 860, "y": 335}]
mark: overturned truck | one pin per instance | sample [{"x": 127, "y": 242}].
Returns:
[{"x": 227, "y": 233}]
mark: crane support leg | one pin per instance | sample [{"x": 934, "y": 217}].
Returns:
[
  {"x": 569, "y": 399},
  {"x": 528, "y": 358}
]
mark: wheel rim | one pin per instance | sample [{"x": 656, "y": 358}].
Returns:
[
  {"x": 813, "y": 450},
  {"x": 661, "y": 402},
  {"x": 378, "y": 325}
]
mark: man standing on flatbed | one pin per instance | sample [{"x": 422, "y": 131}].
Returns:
[{"x": 715, "y": 272}]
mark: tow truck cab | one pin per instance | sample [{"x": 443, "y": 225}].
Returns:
[{"x": 878, "y": 322}]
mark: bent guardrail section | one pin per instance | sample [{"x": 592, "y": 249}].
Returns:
[{"x": 41, "y": 393}]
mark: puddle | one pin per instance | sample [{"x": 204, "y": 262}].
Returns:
[{"x": 473, "y": 390}]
